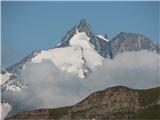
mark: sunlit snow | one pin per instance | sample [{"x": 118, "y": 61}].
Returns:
[
  {"x": 102, "y": 37},
  {"x": 74, "y": 58}
]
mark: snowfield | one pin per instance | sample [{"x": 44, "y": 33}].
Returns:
[{"x": 76, "y": 58}]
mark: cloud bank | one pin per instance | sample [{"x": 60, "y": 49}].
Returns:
[
  {"x": 4, "y": 109},
  {"x": 50, "y": 87}
]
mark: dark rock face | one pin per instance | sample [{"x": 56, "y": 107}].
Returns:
[
  {"x": 113, "y": 103},
  {"x": 132, "y": 42},
  {"x": 65, "y": 41},
  {"x": 104, "y": 48},
  {"x": 3, "y": 71}
]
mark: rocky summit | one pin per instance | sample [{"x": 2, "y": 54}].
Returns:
[{"x": 110, "y": 104}]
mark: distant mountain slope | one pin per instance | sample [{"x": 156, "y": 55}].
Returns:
[
  {"x": 112, "y": 103},
  {"x": 132, "y": 42}
]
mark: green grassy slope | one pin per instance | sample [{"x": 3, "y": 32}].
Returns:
[
  {"x": 149, "y": 113},
  {"x": 146, "y": 97},
  {"x": 56, "y": 113}
]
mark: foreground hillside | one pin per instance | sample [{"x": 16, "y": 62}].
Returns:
[{"x": 112, "y": 103}]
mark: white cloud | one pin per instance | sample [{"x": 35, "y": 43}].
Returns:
[
  {"x": 51, "y": 87},
  {"x": 4, "y": 110},
  {"x": 138, "y": 70}
]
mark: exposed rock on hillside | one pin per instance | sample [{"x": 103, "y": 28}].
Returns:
[{"x": 112, "y": 103}]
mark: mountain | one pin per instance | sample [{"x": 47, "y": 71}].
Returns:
[
  {"x": 132, "y": 42},
  {"x": 100, "y": 44},
  {"x": 73, "y": 54},
  {"x": 112, "y": 103},
  {"x": 75, "y": 51},
  {"x": 78, "y": 53},
  {"x": 10, "y": 82}
]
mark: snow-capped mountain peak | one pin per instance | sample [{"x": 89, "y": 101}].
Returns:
[
  {"x": 77, "y": 58},
  {"x": 80, "y": 51},
  {"x": 83, "y": 26},
  {"x": 74, "y": 55},
  {"x": 102, "y": 47}
]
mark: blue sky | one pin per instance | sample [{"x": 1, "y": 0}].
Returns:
[{"x": 30, "y": 26}]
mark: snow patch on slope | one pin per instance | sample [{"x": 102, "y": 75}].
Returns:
[{"x": 102, "y": 37}]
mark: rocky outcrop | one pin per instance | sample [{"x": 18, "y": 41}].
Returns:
[
  {"x": 112, "y": 103},
  {"x": 108, "y": 103}
]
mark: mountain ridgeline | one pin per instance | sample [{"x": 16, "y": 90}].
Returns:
[
  {"x": 108, "y": 49},
  {"x": 120, "y": 43}
]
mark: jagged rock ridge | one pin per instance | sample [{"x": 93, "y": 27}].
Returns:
[{"x": 101, "y": 46}]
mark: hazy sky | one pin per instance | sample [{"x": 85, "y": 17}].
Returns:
[{"x": 29, "y": 26}]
